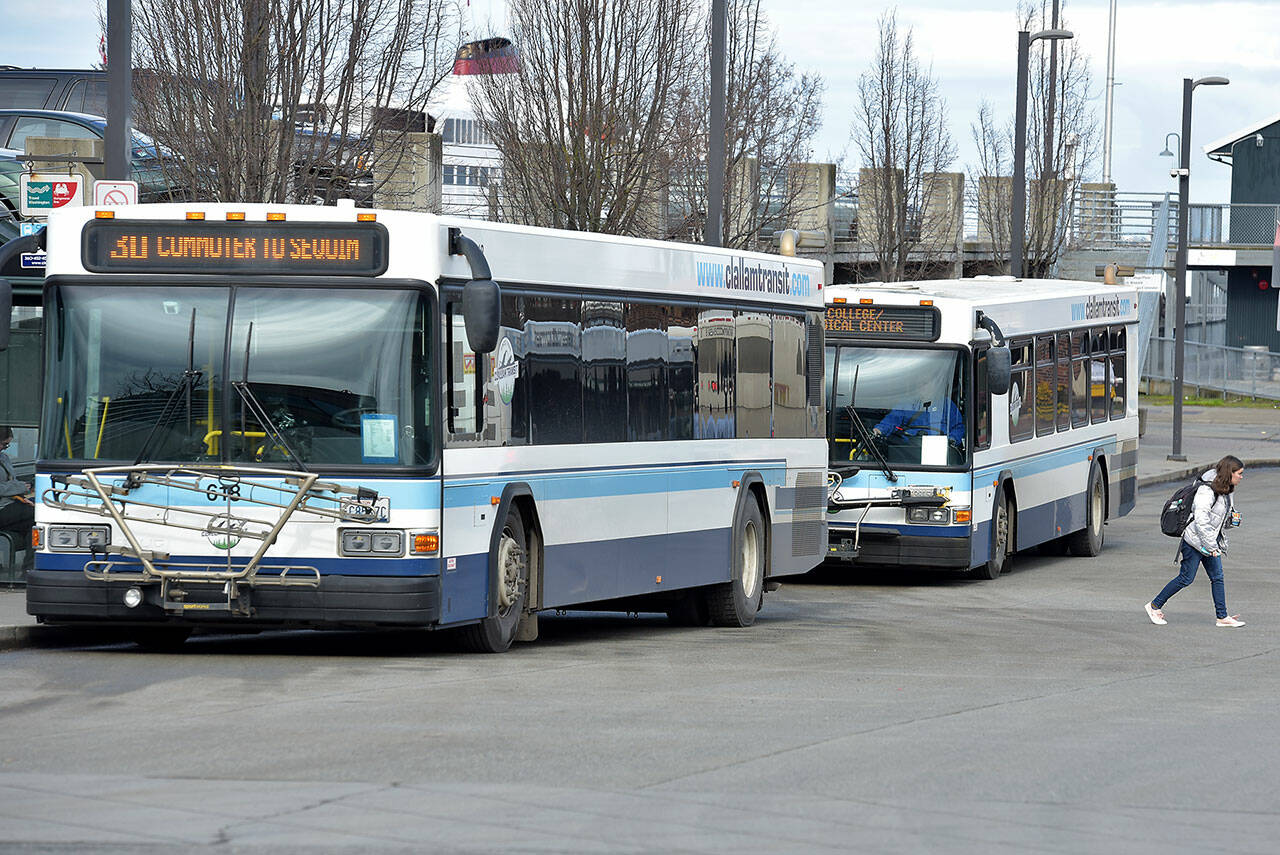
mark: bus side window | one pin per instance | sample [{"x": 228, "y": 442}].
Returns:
[
  {"x": 1022, "y": 393},
  {"x": 1079, "y": 378},
  {"x": 1099, "y": 381},
  {"x": 981, "y": 402},
  {"x": 1046, "y": 386},
  {"x": 1063, "y": 363},
  {"x": 1117, "y": 373}
]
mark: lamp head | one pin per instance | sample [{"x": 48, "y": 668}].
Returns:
[
  {"x": 1211, "y": 81},
  {"x": 1053, "y": 34}
]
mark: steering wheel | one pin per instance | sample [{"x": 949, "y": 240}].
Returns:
[{"x": 350, "y": 418}]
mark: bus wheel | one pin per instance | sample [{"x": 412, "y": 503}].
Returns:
[
  {"x": 160, "y": 639},
  {"x": 1001, "y": 538},
  {"x": 494, "y": 634},
  {"x": 736, "y": 602},
  {"x": 1087, "y": 542}
]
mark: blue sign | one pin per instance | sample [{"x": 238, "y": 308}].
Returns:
[
  {"x": 32, "y": 260},
  {"x": 27, "y": 229}
]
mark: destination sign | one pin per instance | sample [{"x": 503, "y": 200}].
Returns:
[
  {"x": 905, "y": 323},
  {"x": 198, "y": 246}
]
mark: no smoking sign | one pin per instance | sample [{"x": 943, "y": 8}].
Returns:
[{"x": 106, "y": 193}]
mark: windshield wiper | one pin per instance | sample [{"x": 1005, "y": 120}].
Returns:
[
  {"x": 855, "y": 421},
  {"x": 250, "y": 400},
  {"x": 190, "y": 377}
]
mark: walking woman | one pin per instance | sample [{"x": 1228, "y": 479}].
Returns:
[{"x": 1205, "y": 539}]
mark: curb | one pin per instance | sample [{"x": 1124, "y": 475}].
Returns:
[{"x": 1189, "y": 471}]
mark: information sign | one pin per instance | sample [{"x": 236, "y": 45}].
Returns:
[
  {"x": 41, "y": 193},
  {"x": 236, "y": 246}
]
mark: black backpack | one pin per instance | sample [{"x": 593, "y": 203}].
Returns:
[{"x": 1177, "y": 511}]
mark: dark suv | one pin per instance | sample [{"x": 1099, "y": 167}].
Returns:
[{"x": 78, "y": 90}]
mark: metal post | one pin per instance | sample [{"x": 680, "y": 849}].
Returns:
[
  {"x": 1180, "y": 268},
  {"x": 1111, "y": 85},
  {"x": 1019, "y": 160},
  {"x": 119, "y": 90},
  {"x": 713, "y": 231}
]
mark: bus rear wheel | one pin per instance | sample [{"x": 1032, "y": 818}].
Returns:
[
  {"x": 736, "y": 602},
  {"x": 1087, "y": 542},
  {"x": 494, "y": 634}
]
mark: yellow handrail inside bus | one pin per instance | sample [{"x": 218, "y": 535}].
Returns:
[
  {"x": 66, "y": 428},
  {"x": 210, "y": 448},
  {"x": 106, "y": 405}
]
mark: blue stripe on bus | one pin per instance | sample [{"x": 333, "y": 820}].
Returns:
[{"x": 1033, "y": 464}]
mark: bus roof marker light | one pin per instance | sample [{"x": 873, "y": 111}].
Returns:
[
  {"x": 839, "y": 300},
  {"x": 235, "y": 216},
  {"x": 105, "y": 215},
  {"x": 926, "y": 302},
  {"x": 366, "y": 218},
  {"x": 866, "y": 301},
  {"x": 275, "y": 216},
  {"x": 195, "y": 215}
]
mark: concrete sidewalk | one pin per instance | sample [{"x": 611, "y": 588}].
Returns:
[{"x": 1208, "y": 433}]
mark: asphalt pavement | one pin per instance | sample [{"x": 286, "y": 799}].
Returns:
[{"x": 1208, "y": 433}]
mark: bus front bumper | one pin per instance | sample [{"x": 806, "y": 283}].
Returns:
[
  {"x": 62, "y": 597},
  {"x": 886, "y": 546}
]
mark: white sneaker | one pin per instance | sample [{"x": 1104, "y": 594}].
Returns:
[
  {"x": 1230, "y": 620},
  {"x": 1157, "y": 616}
]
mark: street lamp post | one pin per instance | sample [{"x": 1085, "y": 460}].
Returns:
[
  {"x": 1018, "y": 218},
  {"x": 1184, "y": 223}
]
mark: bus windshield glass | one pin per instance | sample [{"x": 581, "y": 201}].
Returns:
[
  {"x": 909, "y": 406},
  {"x": 283, "y": 377}
]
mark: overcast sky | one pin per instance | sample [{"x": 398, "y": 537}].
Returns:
[{"x": 971, "y": 45}]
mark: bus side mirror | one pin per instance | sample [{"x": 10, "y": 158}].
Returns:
[
  {"x": 6, "y": 311},
  {"x": 481, "y": 310},
  {"x": 998, "y": 373}
]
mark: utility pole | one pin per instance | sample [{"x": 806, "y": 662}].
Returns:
[
  {"x": 713, "y": 233},
  {"x": 119, "y": 90}
]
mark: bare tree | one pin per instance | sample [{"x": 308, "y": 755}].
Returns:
[
  {"x": 1062, "y": 147},
  {"x": 283, "y": 100},
  {"x": 900, "y": 133},
  {"x": 586, "y": 127},
  {"x": 772, "y": 115}
]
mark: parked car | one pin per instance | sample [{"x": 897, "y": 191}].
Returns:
[
  {"x": 78, "y": 90},
  {"x": 148, "y": 157}
]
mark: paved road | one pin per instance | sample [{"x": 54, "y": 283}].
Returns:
[{"x": 1040, "y": 712}]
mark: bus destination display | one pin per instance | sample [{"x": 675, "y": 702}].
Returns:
[
  {"x": 907, "y": 323},
  {"x": 197, "y": 246}
]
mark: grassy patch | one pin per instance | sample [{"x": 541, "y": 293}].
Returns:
[{"x": 1230, "y": 401}]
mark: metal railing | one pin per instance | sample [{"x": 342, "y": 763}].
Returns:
[{"x": 1251, "y": 371}]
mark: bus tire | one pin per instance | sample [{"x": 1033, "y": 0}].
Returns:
[
  {"x": 1087, "y": 542},
  {"x": 1001, "y": 538},
  {"x": 495, "y": 633},
  {"x": 160, "y": 639},
  {"x": 735, "y": 603}
]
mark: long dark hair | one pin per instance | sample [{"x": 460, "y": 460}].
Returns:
[{"x": 1226, "y": 467}]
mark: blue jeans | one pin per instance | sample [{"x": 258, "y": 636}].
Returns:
[{"x": 1191, "y": 558}]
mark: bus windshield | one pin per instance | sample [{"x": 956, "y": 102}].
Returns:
[
  {"x": 285, "y": 377},
  {"x": 909, "y": 406}
]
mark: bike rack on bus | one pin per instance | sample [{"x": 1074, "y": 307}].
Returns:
[
  {"x": 95, "y": 491},
  {"x": 914, "y": 496}
]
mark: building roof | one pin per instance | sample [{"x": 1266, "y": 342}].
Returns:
[{"x": 1220, "y": 150}]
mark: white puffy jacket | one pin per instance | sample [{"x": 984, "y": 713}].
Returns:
[{"x": 1206, "y": 531}]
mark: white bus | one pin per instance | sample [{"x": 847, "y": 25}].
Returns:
[
  {"x": 318, "y": 416},
  {"x": 972, "y": 418}
]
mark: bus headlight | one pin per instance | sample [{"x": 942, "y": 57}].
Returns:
[
  {"x": 133, "y": 597},
  {"x": 381, "y": 542},
  {"x": 79, "y": 538},
  {"x": 929, "y": 516}
]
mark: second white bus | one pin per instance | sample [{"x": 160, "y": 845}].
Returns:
[{"x": 970, "y": 419}]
